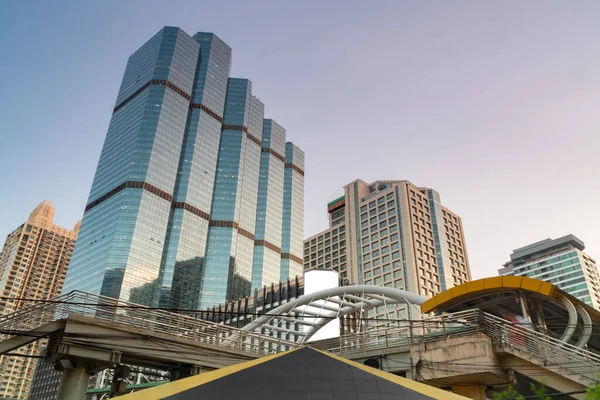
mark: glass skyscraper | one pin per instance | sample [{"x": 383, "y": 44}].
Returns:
[{"x": 196, "y": 199}]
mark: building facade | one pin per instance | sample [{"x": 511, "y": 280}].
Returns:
[
  {"x": 33, "y": 265},
  {"x": 561, "y": 262},
  {"x": 394, "y": 234},
  {"x": 197, "y": 199}
]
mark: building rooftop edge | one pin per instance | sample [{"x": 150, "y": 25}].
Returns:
[{"x": 545, "y": 245}]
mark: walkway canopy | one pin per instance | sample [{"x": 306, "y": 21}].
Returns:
[
  {"x": 547, "y": 307},
  {"x": 302, "y": 373}
]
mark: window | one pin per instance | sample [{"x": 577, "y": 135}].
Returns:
[
  {"x": 377, "y": 271},
  {"x": 327, "y": 235},
  {"x": 365, "y": 240},
  {"x": 320, "y": 246},
  {"x": 363, "y": 209},
  {"x": 385, "y": 250},
  {"x": 390, "y": 204},
  {"x": 320, "y": 238},
  {"x": 386, "y": 259},
  {"x": 365, "y": 232},
  {"x": 377, "y": 280},
  {"x": 385, "y": 240},
  {"x": 368, "y": 274},
  {"x": 392, "y": 211},
  {"x": 342, "y": 236},
  {"x": 364, "y": 224},
  {"x": 367, "y": 265},
  {"x": 395, "y": 246},
  {"x": 376, "y": 262},
  {"x": 387, "y": 268},
  {"x": 396, "y": 264},
  {"x": 393, "y": 228},
  {"x": 367, "y": 257},
  {"x": 394, "y": 236},
  {"x": 364, "y": 216},
  {"x": 381, "y": 200},
  {"x": 375, "y": 245},
  {"x": 396, "y": 255},
  {"x": 373, "y": 220},
  {"x": 384, "y": 232},
  {"x": 387, "y": 277},
  {"x": 374, "y": 228},
  {"x": 376, "y": 253},
  {"x": 307, "y": 245},
  {"x": 375, "y": 236},
  {"x": 382, "y": 217},
  {"x": 381, "y": 208},
  {"x": 372, "y": 204},
  {"x": 389, "y": 196},
  {"x": 397, "y": 274},
  {"x": 372, "y": 212},
  {"x": 366, "y": 248},
  {"x": 383, "y": 224}
]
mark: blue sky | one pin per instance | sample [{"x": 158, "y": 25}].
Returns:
[{"x": 494, "y": 104}]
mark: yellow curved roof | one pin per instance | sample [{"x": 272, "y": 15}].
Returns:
[{"x": 480, "y": 286}]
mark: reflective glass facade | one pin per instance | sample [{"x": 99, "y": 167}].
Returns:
[
  {"x": 184, "y": 195},
  {"x": 293, "y": 213}
]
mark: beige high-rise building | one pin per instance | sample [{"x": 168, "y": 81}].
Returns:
[
  {"x": 394, "y": 234},
  {"x": 33, "y": 265}
]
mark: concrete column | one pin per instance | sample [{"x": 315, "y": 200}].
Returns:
[
  {"x": 74, "y": 383},
  {"x": 524, "y": 308},
  {"x": 474, "y": 392}
]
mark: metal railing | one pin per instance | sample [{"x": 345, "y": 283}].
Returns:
[
  {"x": 106, "y": 309},
  {"x": 401, "y": 333},
  {"x": 539, "y": 347},
  {"x": 542, "y": 349}
]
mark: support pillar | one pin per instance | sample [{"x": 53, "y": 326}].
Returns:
[
  {"x": 524, "y": 308},
  {"x": 73, "y": 383},
  {"x": 474, "y": 392}
]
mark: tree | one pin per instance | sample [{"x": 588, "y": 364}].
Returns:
[
  {"x": 508, "y": 394},
  {"x": 540, "y": 391},
  {"x": 593, "y": 392}
]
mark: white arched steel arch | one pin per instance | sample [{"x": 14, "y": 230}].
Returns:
[{"x": 313, "y": 311}]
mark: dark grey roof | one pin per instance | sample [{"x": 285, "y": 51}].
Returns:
[{"x": 302, "y": 374}]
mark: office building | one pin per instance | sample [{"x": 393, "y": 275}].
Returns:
[
  {"x": 561, "y": 262},
  {"x": 394, "y": 234},
  {"x": 33, "y": 265},
  {"x": 197, "y": 199}
]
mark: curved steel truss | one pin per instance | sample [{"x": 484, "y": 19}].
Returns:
[{"x": 304, "y": 316}]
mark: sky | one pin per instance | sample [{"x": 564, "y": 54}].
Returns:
[{"x": 495, "y": 104}]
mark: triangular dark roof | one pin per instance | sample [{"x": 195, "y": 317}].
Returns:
[{"x": 303, "y": 374}]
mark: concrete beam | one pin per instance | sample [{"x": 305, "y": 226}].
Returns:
[{"x": 25, "y": 338}]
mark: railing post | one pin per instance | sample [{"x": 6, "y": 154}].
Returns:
[
  {"x": 410, "y": 329},
  {"x": 444, "y": 327}
]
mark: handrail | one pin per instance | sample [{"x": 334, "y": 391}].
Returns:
[{"x": 107, "y": 309}]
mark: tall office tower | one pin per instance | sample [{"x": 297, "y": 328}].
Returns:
[
  {"x": 186, "y": 207},
  {"x": 293, "y": 213},
  {"x": 394, "y": 234},
  {"x": 561, "y": 262},
  {"x": 33, "y": 265}
]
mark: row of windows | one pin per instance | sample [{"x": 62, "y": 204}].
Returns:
[{"x": 373, "y": 203}]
